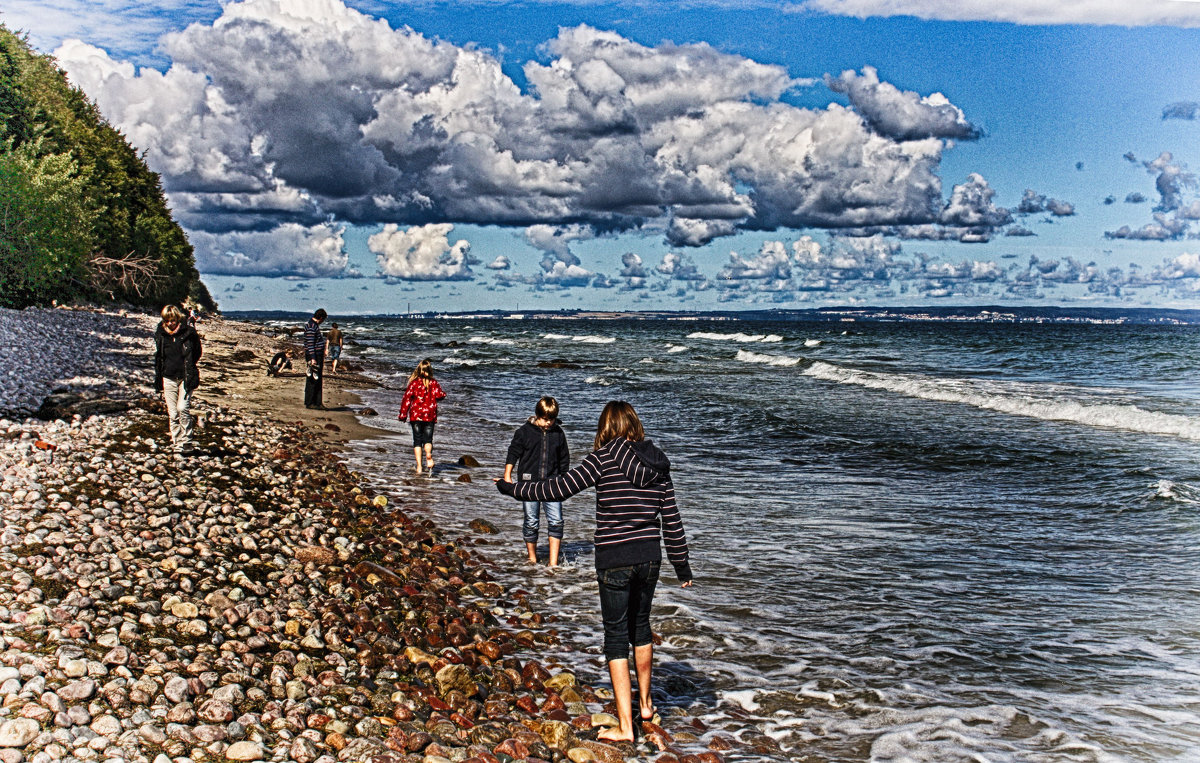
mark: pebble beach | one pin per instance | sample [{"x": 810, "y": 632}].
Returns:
[{"x": 256, "y": 600}]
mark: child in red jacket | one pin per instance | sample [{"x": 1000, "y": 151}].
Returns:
[{"x": 419, "y": 408}]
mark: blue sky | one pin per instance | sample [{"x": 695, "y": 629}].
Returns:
[{"x": 372, "y": 156}]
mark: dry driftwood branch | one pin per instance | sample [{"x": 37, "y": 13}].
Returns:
[{"x": 133, "y": 272}]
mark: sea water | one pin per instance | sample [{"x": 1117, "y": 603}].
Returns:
[{"x": 912, "y": 541}]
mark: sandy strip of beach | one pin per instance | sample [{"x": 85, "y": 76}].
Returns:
[{"x": 256, "y": 600}]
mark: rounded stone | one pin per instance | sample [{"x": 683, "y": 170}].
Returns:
[
  {"x": 18, "y": 732},
  {"x": 245, "y": 751}
]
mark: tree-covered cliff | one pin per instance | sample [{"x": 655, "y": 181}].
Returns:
[{"x": 81, "y": 215}]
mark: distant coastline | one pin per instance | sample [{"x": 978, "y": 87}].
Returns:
[{"x": 948, "y": 314}]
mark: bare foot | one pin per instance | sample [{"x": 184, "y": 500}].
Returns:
[
  {"x": 615, "y": 734},
  {"x": 648, "y": 713}
]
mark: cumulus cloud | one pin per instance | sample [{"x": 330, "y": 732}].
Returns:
[
  {"x": 1035, "y": 12},
  {"x": 1184, "y": 266},
  {"x": 1162, "y": 229},
  {"x": 1181, "y": 110},
  {"x": 556, "y": 240},
  {"x": 562, "y": 274},
  {"x": 972, "y": 211},
  {"x": 1135, "y": 197},
  {"x": 771, "y": 263},
  {"x": 898, "y": 114},
  {"x": 633, "y": 266},
  {"x": 421, "y": 253},
  {"x": 1171, "y": 178},
  {"x": 283, "y": 112},
  {"x": 500, "y": 263},
  {"x": 679, "y": 267},
  {"x": 1173, "y": 181},
  {"x": 289, "y": 250},
  {"x": 1033, "y": 202}
]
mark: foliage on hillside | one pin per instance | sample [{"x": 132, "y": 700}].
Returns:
[{"x": 81, "y": 215}]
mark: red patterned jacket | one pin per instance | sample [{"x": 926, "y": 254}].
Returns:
[{"x": 420, "y": 401}]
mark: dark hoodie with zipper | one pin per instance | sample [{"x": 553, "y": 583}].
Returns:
[
  {"x": 176, "y": 355},
  {"x": 635, "y": 504},
  {"x": 537, "y": 452}
]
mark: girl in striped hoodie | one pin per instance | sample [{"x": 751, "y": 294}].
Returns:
[{"x": 634, "y": 499}]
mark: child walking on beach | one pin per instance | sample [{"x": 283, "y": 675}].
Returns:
[
  {"x": 419, "y": 408},
  {"x": 635, "y": 504},
  {"x": 539, "y": 450}
]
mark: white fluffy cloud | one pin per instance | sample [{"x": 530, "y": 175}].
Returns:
[
  {"x": 1174, "y": 213},
  {"x": 1118, "y": 12},
  {"x": 286, "y": 111},
  {"x": 902, "y": 115},
  {"x": 289, "y": 250},
  {"x": 972, "y": 211},
  {"x": 421, "y": 253}
]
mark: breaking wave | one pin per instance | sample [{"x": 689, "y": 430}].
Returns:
[
  {"x": 770, "y": 360},
  {"x": 1017, "y": 403},
  {"x": 737, "y": 337}
]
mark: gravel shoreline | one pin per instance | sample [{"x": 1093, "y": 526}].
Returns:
[{"x": 257, "y": 601}]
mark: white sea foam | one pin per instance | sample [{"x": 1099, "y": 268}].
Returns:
[
  {"x": 420, "y": 332},
  {"x": 453, "y": 361},
  {"x": 743, "y": 699},
  {"x": 585, "y": 338},
  {"x": 676, "y": 347},
  {"x": 812, "y": 342},
  {"x": 1016, "y": 402},
  {"x": 1177, "y": 491},
  {"x": 737, "y": 337},
  {"x": 599, "y": 380},
  {"x": 770, "y": 360},
  {"x": 489, "y": 340}
]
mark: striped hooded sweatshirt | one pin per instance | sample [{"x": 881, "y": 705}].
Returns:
[{"x": 634, "y": 499}]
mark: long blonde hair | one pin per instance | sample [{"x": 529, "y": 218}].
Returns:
[
  {"x": 618, "y": 419},
  {"x": 423, "y": 371}
]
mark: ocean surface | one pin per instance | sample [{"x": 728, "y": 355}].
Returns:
[{"x": 912, "y": 541}]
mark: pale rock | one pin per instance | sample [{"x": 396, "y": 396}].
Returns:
[
  {"x": 18, "y": 732},
  {"x": 245, "y": 751}
]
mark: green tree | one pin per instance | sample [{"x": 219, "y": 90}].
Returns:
[
  {"x": 45, "y": 228},
  {"x": 114, "y": 206}
]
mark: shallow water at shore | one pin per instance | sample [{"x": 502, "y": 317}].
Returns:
[{"x": 912, "y": 543}]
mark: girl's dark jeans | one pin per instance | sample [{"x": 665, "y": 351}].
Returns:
[
  {"x": 625, "y": 597},
  {"x": 422, "y": 432}
]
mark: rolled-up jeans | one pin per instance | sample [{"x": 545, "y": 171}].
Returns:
[
  {"x": 179, "y": 417},
  {"x": 626, "y": 594},
  {"x": 554, "y": 520}
]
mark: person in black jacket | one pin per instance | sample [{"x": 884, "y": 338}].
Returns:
[
  {"x": 635, "y": 510},
  {"x": 314, "y": 356},
  {"x": 176, "y": 351},
  {"x": 539, "y": 450}
]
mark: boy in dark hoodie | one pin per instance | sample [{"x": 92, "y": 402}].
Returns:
[
  {"x": 176, "y": 376},
  {"x": 539, "y": 450},
  {"x": 635, "y": 506}
]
